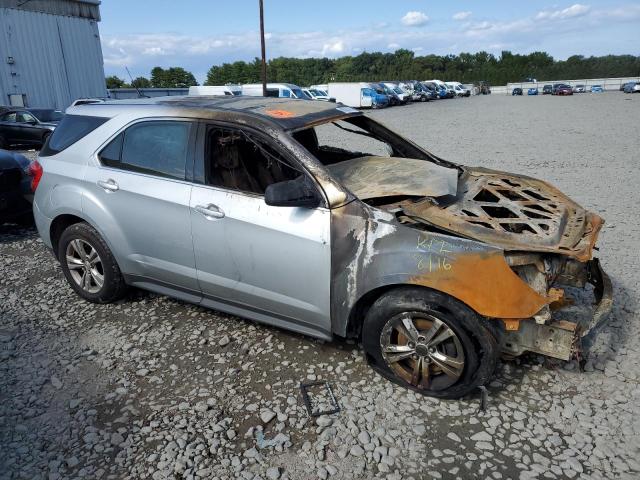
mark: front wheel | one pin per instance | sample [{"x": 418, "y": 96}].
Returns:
[
  {"x": 429, "y": 342},
  {"x": 89, "y": 266}
]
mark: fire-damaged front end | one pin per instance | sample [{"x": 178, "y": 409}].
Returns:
[{"x": 512, "y": 248}]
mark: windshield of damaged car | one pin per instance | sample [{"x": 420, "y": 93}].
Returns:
[{"x": 354, "y": 137}]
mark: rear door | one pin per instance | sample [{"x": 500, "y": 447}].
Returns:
[
  {"x": 273, "y": 261},
  {"x": 139, "y": 191}
]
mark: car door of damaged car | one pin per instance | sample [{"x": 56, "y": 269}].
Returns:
[{"x": 274, "y": 261}]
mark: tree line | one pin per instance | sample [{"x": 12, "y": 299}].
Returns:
[
  {"x": 173, "y": 77},
  {"x": 402, "y": 64}
]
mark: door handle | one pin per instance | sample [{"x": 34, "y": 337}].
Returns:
[
  {"x": 109, "y": 185},
  {"x": 210, "y": 211}
]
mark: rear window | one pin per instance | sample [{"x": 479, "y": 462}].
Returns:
[{"x": 71, "y": 129}]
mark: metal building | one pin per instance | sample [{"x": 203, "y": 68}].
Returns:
[{"x": 50, "y": 52}]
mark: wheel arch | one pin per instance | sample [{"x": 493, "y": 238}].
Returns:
[{"x": 59, "y": 225}]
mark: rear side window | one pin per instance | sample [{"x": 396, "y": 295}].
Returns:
[
  {"x": 158, "y": 148},
  {"x": 71, "y": 129}
]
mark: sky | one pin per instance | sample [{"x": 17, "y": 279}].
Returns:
[{"x": 196, "y": 34}]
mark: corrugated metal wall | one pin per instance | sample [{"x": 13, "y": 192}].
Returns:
[
  {"x": 71, "y": 8},
  {"x": 56, "y": 59}
]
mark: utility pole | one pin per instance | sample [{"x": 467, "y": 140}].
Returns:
[{"x": 264, "y": 54}]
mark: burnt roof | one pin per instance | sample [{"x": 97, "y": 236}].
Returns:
[{"x": 289, "y": 114}]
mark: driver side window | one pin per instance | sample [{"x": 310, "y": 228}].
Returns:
[{"x": 240, "y": 161}]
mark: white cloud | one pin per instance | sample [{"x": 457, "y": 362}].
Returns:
[
  {"x": 414, "y": 19},
  {"x": 333, "y": 48},
  {"x": 461, "y": 15},
  {"x": 575, "y": 10},
  {"x": 393, "y": 46}
]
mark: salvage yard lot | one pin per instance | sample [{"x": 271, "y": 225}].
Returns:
[{"x": 155, "y": 388}]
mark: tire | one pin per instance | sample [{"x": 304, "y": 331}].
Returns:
[
  {"x": 98, "y": 281},
  {"x": 463, "y": 339}
]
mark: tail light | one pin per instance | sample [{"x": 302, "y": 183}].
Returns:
[{"x": 35, "y": 172}]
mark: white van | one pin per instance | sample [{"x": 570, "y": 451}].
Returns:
[
  {"x": 233, "y": 90},
  {"x": 459, "y": 89},
  {"x": 281, "y": 90},
  {"x": 357, "y": 95}
]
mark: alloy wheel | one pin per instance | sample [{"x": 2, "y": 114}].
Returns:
[
  {"x": 85, "y": 265},
  {"x": 423, "y": 350}
]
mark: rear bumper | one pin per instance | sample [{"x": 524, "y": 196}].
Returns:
[{"x": 43, "y": 224}]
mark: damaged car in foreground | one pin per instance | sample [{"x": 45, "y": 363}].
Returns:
[{"x": 316, "y": 218}]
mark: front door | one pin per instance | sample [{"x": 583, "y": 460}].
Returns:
[
  {"x": 274, "y": 261},
  {"x": 27, "y": 129}
]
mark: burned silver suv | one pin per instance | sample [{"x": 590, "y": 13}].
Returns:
[{"x": 314, "y": 217}]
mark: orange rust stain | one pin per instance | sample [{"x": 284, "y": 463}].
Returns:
[
  {"x": 486, "y": 284},
  {"x": 511, "y": 325},
  {"x": 280, "y": 113},
  {"x": 594, "y": 226}
]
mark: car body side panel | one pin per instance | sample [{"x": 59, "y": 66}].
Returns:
[{"x": 371, "y": 250}]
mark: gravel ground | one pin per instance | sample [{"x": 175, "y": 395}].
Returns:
[{"x": 155, "y": 388}]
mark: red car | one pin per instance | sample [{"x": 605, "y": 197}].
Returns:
[{"x": 564, "y": 90}]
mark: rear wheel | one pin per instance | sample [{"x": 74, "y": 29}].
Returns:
[
  {"x": 429, "y": 342},
  {"x": 89, "y": 266}
]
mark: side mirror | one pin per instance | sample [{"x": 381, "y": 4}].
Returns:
[{"x": 292, "y": 193}]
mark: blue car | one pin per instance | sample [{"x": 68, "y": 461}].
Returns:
[
  {"x": 532, "y": 91},
  {"x": 597, "y": 89}
]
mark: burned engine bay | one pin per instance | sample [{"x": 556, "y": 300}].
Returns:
[{"x": 546, "y": 239}]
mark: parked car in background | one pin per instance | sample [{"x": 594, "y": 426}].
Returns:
[
  {"x": 547, "y": 90},
  {"x": 30, "y": 127},
  {"x": 632, "y": 87},
  {"x": 410, "y": 88},
  {"x": 624, "y": 85},
  {"x": 229, "y": 90},
  {"x": 280, "y": 90},
  {"x": 18, "y": 178},
  {"x": 392, "y": 88},
  {"x": 563, "y": 89},
  {"x": 459, "y": 89},
  {"x": 579, "y": 89},
  {"x": 316, "y": 94},
  {"x": 279, "y": 222},
  {"x": 597, "y": 89},
  {"x": 440, "y": 90},
  {"x": 532, "y": 91},
  {"x": 357, "y": 95},
  {"x": 516, "y": 91},
  {"x": 430, "y": 92}
]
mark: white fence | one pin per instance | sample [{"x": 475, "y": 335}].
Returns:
[{"x": 606, "y": 83}]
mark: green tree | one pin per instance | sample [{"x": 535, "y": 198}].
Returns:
[
  {"x": 173, "y": 77},
  {"x": 141, "y": 82},
  {"x": 404, "y": 65},
  {"x": 114, "y": 82}
]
